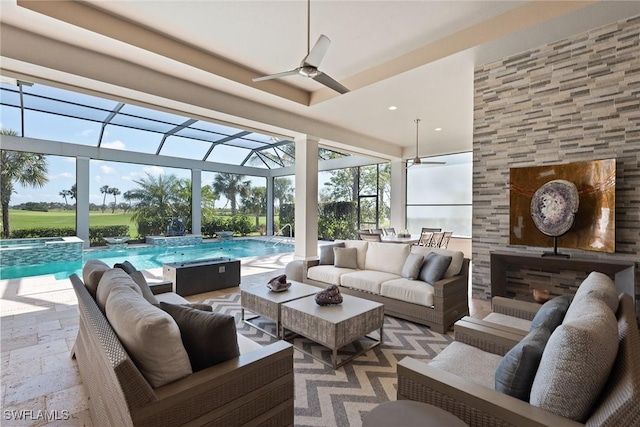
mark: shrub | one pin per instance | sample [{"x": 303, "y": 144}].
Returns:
[
  {"x": 98, "y": 233},
  {"x": 216, "y": 223},
  {"x": 24, "y": 233},
  {"x": 337, "y": 220},
  {"x": 241, "y": 224},
  {"x": 287, "y": 216}
]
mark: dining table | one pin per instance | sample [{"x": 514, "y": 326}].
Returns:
[{"x": 392, "y": 238}]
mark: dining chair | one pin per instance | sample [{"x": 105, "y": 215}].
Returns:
[
  {"x": 445, "y": 239},
  {"x": 437, "y": 239},
  {"x": 371, "y": 237},
  {"x": 425, "y": 238},
  {"x": 433, "y": 230},
  {"x": 389, "y": 231}
]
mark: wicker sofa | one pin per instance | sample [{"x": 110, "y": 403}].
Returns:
[
  {"x": 379, "y": 268},
  {"x": 616, "y": 403},
  {"x": 255, "y": 388}
]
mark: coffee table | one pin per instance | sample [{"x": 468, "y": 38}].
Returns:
[
  {"x": 264, "y": 302},
  {"x": 333, "y": 326}
]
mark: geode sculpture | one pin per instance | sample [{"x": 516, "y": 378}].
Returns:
[
  {"x": 330, "y": 296},
  {"x": 279, "y": 283},
  {"x": 554, "y": 206}
]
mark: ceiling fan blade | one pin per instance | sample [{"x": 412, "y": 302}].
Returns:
[
  {"x": 330, "y": 83},
  {"x": 317, "y": 52},
  {"x": 275, "y": 76}
]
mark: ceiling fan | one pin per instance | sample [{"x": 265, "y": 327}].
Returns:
[
  {"x": 417, "y": 161},
  {"x": 309, "y": 65}
]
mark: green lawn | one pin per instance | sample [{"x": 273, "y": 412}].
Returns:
[{"x": 28, "y": 219}]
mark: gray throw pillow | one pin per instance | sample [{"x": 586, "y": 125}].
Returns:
[
  {"x": 412, "y": 265},
  {"x": 209, "y": 338},
  {"x": 517, "y": 370},
  {"x": 345, "y": 258},
  {"x": 326, "y": 253},
  {"x": 551, "y": 314},
  {"x": 138, "y": 277},
  {"x": 434, "y": 267},
  {"x": 126, "y": 266}
]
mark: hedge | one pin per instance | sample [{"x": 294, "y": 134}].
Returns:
[{"x": 96, "y": 234}]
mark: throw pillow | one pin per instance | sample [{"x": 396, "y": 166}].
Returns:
[
  {"x": 126, "y": 266},
  {"x": 345, "y": 258},
  {"x": 576, "y": 363},
  {"x": 434, "y": 267},
  {"x": 209, "y": 338},
  {"x": 551, "y": 314},
  {"x": 199, "y": 306},
  {"x": 139, "y": 279},
  {"x": 517, "y": 370},
  {"x": 412, "y": 266},
  {"x": 596, "y": 285},
  {"x": 112, "y": 279},
  {"x": 326, "y": 253},
  {"x": 150, "y": 336},
  {"x": 92, "y": 273}
]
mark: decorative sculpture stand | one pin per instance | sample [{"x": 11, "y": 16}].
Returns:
[{"x": 553, "y": 209}]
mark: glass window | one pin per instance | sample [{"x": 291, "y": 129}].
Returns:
[
  {"x": 60, "y": 128},
  {"x": 176, "y": 146},
  {"x": 440, "y": 195},
  {"x": 226, "y": 154}
]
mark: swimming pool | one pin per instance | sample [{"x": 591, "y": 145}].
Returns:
[{"x": 145, "y": 257}]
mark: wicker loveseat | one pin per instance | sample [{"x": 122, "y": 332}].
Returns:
[
  {"x": 255, "y": 388},
  {"x": 378, "y": 277},
  {"x": 477, "y": 405}
]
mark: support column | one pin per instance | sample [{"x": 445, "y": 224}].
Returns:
[
  {"x": 398, "y": 195},
  {"x": 82, "y": 199},
  {"x": 270, "y": 210},
  {"x": 196, "y": 201},
  {"x": 306, "y": 215}
]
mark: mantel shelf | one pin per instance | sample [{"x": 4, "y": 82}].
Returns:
[{"x": 623, "y": 270}]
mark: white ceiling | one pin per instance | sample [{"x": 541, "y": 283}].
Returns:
[{"x": 416, "y": 55}]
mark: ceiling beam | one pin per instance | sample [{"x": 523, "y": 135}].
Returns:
[{"x": 92, "y": 18}]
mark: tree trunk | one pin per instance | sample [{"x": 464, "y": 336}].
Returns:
[{"x": 5, "y": 220}]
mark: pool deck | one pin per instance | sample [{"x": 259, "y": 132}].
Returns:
[{"x": 39, "y": 324}]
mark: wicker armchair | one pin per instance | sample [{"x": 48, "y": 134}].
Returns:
[
  {"x": 255, "y": 388},
  {"x": 480, "y": 406}
]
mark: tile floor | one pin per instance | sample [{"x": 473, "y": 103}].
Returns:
[{"x": 40, "y": 383}]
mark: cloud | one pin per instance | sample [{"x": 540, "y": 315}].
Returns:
[
  {"x": 98, "y": 179},
  {"x": 107, "y": 169},
  {"x": 85, "y": 133},
  {"x": 131, "y": 176},
  {"x": 64, "y": 175},
  {"x": 115, "y": 145},
  {"x": 154, "y": 170}
]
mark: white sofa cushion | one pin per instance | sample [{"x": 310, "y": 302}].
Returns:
[
  {"x": 361, "y": 249},
  {"x": 112, "y": 279},
  {"x": 457, "y": 258},
  {"x": 387, "y": 257},
  {"x": 576, "y": 363},
  {"x": 327, "y": 273},
  {"x": 468, "y": 363},
  {"x": 92, "y": 273},
  {"x": 366, "y": 280},
  {"x": 414, "y": 291},
  {"x": 149, "y": 335}
]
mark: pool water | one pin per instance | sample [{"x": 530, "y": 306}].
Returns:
[{"x": 146, "y": 257}]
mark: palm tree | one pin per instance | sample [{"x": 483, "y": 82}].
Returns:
[
  {"x": 104, "y": 190},
  {"x": 116, "y": 193},
  {"x": 65, "y": 194},
  {"x": 231, "y": 185},
  {"x": 128, "y": 196},
  {"x": 74, "y": 192},
  {"x": 255, "y": 203},
  {"x": 28, "y": 169},
  {"x": 156, "y": 198},
  {"x": 282, "y": 191}
]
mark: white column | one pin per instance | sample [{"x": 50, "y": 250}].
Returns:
[
  {"x": 398, "y": 195},
  {"x": 306, "y": 215},
  {"x": 270, "y": 211},
  {"x": 196, "y": 201},
  {"x": 82, "y": 199}
]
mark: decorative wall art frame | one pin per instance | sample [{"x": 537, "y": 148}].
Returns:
[{"x": 594, "y": 223}]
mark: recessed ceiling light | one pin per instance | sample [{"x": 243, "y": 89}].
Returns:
[
  {"x": 438, "y": 129},
  {"x": 393, "y": 108}
]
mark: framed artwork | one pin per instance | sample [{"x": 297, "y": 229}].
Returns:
[{"x": 594, "y": 224}]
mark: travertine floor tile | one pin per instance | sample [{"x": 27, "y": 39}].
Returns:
[
  {"x": 13, "y": 343},
  {"x": 40, "y": 350},
  {"x": 73, "y": 400},
  {"x": 41, "y": 385},
  {"x": 28, "y": 413}
]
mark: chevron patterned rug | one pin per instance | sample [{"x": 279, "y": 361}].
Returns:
[{"x": 327, "y": 397}]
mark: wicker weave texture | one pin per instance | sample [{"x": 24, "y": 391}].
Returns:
[{"x": 255, "y": 389}]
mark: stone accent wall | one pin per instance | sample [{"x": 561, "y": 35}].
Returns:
[{"x": 574, "y": 100}]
